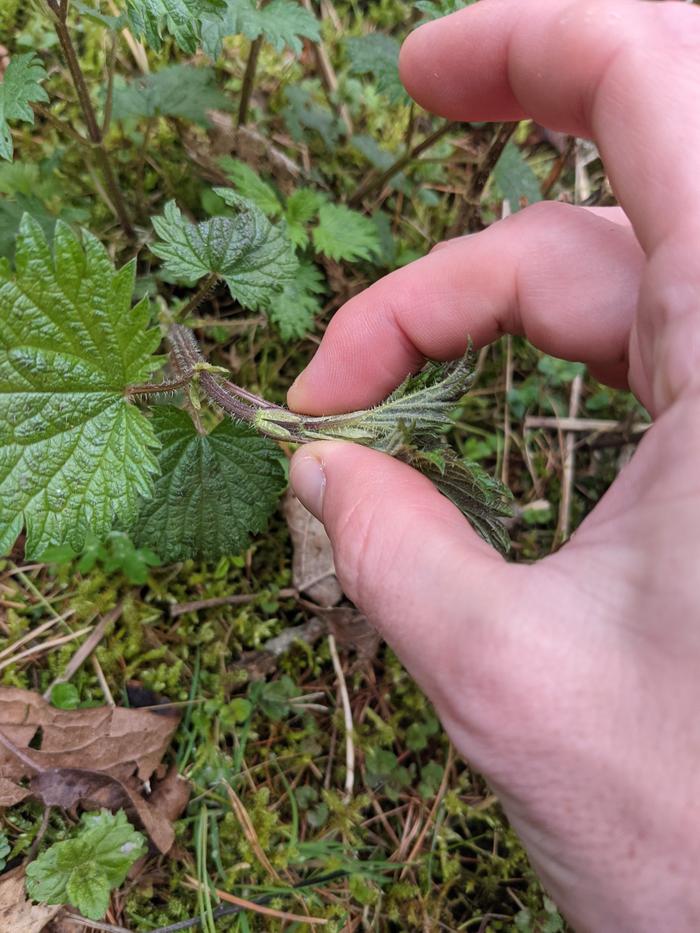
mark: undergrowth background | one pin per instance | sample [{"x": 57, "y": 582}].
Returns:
[{"x": 422, "y": 842}]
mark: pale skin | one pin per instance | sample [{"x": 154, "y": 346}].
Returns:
[{"x": 572, "y": 684}]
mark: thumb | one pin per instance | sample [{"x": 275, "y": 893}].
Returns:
[{"x": 404, "y": 554}]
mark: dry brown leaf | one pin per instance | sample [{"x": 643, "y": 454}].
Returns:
[
  {"x": 88, "y": 757},
  {"x": 17, "y": 914},
  {"x": 11, "y": 793},
  {"x": 313, "y": 571},
  {"x": 171, "y": 795},
  {"x": 352, "y": 631},
  {"x": 106, "y": 738}
]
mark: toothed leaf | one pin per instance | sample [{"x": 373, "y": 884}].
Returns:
[
  {"x": 175, "y": 91},
  {"x": 214, "y": 491},
  {"x": 253, "y": 256},
  {"x": 182, "y": 19},
  {"x": 294, "y": 309},
  {"x": 378, "y": 55},
  {"x": 21, "y": 86},
  {"x": 75, "y": 455},
  {"x": 345, "y": 234},
  {"x": 280, "y": 22}
]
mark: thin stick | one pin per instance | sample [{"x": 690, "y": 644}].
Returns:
[
  {"x": 569, "y": 465},
  {"x": 260, "y": 909},
  {"x": 377, "y": 182},
  {"x": 35, "y": 633},
  {"x": 96, "y": 924},
  {"x": 347, "y": 718},
  {"x": 329, "y": 79},
  {"x": 178, "y": 609},
  {"x": 37, "y": 649},
  {"x": 507, "y": 436},
  {"x": 101, "y": 679},
  {"x": 86, "y": 649},
  {"x": 433, "y": 812},
  {"x": 585, "y": 425},
  {"x": 558, "y": 167}
]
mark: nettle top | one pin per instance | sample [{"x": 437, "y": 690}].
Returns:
[{"x": 80, "y": 454}]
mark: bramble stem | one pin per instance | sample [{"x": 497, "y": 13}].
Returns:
[{"x": 60, "y": 16}]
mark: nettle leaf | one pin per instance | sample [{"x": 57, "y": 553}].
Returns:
[
  {"x": 253, "y": 257},
  {"x": 214, "y": 491},
  {"x": 516, "y": 179},
  {"x": 182, "y": 19},
  {"x": 251, "y": 186},
  {"x": 282, "y": 23},
  {"x": 83, "y": 871},
  {"x": 293, "y": 311},
  {"x": 378, "y": 55},
  {"x": 20, "y": 87},
  {"x": 176, "y": 91},
  {"x": 74, "y": 454},
  {"x": 302, "y": 114},
  {"x": 301, "y": 208},
  {"x": 345, "y": 234}
]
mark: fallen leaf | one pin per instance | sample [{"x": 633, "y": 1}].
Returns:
[
  {"x": 11, "y": 793},
  {"x": 17, "y": 914},
  {"x": 88, "y": 757},
  {"x": 352, "y": 631},
  {"x": 171, "y": 795},
  {"x": 313, "y": 570},
  {"x": 104, "y": 738}
]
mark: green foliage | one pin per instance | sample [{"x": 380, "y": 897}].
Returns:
[
  {"x": 74, "y": 454},
  {"x": 83, "y": 871},
  {"x": 301, "y": 208},
  {"x": 253, "y": 256},
  {"x": 214, "y": 490},
  {"x": 175, "y": 91},
  {"x": 293, "y": 311},
  {"x": 182, "y": 19},
  {"x": 5, "y": 849},
  {"x": 345, "y": 234},
  {"x": 65, "y": 696},
  {"x": 249, "y": 185},
  {"x": 516, "y": 179},
  {"x": 378, "y": 55},
  {"x": 282, "y": 23},
  {"x": 20, "y": 87}
]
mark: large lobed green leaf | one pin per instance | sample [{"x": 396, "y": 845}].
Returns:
[
  {"x": 20, "y": 87},
  {"x": 254, "y": 257},
  {"x": 182, "y": 19},
  {"x": 378, "y": 55},
  {"x": 74, "y": 454},
  {"x": 214, "y": 491},
  {"x": 345, "y": 234},
  {"x": 280, "y": 22},
  {"x": 174, "y": 91}
]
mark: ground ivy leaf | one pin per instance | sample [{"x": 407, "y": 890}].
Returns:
[
  {"x": 345, "y": 234},
  {"x": 254, "y": 257},
  {"x": 83, "y": 870},
  {"x": 182, "y": 19},
  {"x": 20, "y": 87},
  {"x": 214, "y": 491},
  {"x": 74, "y": 454}
]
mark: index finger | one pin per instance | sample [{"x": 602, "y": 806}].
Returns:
[{"x": 622, "y": 72}]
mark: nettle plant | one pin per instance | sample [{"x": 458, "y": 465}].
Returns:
[{"x": 99, "y": 430}]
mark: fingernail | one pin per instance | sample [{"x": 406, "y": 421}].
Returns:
[{"x": 308, "y": 481}]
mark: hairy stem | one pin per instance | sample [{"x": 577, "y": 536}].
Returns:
[
  {"x": 249, "y": 80},
  {"x": 202, "y": 293},
  {"x": 94, "y": 132}
]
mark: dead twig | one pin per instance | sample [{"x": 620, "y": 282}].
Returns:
[
  {"x": 85, "y": 650},
  {"x": 242, "y": 599},
  {"x": 569, "y": 466},
  {"x": 347, "y": 718}
]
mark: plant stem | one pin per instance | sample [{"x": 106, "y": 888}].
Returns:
[
  {"x": 94, "y": 131},
  {"x": 204, "y": 290},
  {"x": 249, "y": 80},
  {"x": 375, "y": 182},
  {"x": 469, "y": 214}
]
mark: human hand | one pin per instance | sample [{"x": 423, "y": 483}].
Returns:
[{"x": 573, "y": 684}]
